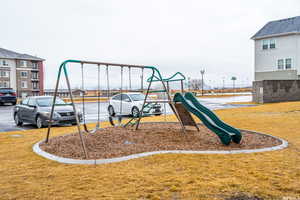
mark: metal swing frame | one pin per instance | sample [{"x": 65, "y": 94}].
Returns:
[
  {"x": 98, "y": 101},
  {"x": 63, "y": 68}
]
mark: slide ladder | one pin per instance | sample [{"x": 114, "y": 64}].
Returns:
[
  {"x": 225, "y": 132},
  {"x": 184, "y": 115}
]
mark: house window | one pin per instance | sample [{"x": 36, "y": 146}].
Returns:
[
  {"x": 4, "y": 63},
  {"x": 23, "y": 63},
  {"x": 288, "y": 63},
  {"x": 280, "y": 64},
  {"x": 4, "y": 74},
  {"x": 272, "y": 44},
  {"x": 265, "y": 44},
  {"x": 24, "y": 74},
  {"x": 23, "y": 84}
]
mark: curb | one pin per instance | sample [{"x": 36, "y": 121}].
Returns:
[{"x": 36, "y": 148}]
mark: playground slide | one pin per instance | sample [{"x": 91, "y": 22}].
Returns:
[{"x": 225, "y": 132}]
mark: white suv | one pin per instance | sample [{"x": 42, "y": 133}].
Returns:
[{"x": 131, "y": 104}]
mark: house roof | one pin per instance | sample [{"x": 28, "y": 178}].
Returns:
[
  {"x": 4, "y": 53},
  {"x": 279, "y": 27}
]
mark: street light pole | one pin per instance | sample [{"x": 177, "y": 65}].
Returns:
[
  {"x": 223, "y": 88},
  {"x": 142, "y": 87},
  {"x": 233, "y": 82},
  {"x": 202, "y": 74}
]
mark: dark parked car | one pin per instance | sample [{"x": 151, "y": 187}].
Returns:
[
  {"x": 7, "y": 95},
  {"x": 36, "y": 110}
]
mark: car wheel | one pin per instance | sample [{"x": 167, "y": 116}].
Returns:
[
  {"x": 17, "y": 120},
  {"x": 39, "y": 122},
  {"x": 14, "y": 103},
  {"x": 135, "y": 112},
  {"x": 158, "y": 112},
  {"x": 111, "y": 111}
]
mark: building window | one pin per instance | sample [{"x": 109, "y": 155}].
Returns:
[
  {"x": 4, "y": 63},
  {"x": 4, "y": 84},
  {"x": 35, "y": 75},
  {"x": 24, "y": 74},
  {"x": 23, "y": 63},
  {"x": 280, "y": 64},
  {"x": 272, "y": 44},
  {"x": 34, "y": 65},
  {"x": 4, "y": 74},
  {"x": 265, "y": 44},
  {"x": 288, "y": 63},
  {"x": 35, "y": 85},
  {"x": 23, "y": 84}
]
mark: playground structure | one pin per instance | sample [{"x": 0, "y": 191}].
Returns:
[{"x": 182, "y": 105}]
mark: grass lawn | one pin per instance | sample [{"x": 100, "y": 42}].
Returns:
[{"x": 270, "y": 175}]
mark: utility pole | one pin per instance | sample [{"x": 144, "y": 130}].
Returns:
[
  {"x": 202, "y": 84},
  {"x": 233, "y": 82},
  {"x": 142, "y": 85},
  {"x": 223, "y": 88}
]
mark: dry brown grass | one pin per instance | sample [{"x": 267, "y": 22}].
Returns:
[
  {"x": 220, "y": 95},
  {"x": 271, "y": 175},
  {"x": 243, "y": 103}
]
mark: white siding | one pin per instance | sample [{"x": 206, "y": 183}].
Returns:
[
  {"x": 286, "y": 47},
  {"x": 297, "y": 61}
]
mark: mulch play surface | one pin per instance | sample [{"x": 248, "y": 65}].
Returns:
[{"x": 116, "y": 142}]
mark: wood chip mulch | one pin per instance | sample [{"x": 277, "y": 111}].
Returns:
[{"x": 116, "y": 142}]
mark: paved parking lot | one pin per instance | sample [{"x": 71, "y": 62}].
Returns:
[{"x": 7, "y": 122}]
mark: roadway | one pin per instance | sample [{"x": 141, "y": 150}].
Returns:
[{"x": 7, "y": 122}]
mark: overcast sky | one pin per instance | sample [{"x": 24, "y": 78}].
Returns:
[{"x": 174, "y": 35}]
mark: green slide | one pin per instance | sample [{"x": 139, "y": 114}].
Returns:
[{"x": 225, "y": 132}]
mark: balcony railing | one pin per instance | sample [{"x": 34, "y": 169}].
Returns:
[{"x": 34, "y": 68}]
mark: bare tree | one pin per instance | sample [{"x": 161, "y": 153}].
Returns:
[{"x": 195, "y": 84}]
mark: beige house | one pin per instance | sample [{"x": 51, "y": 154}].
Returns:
[{"x": 277, "y": 50}]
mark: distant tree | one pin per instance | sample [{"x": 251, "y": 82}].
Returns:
[{"x": 195, "y": 84}]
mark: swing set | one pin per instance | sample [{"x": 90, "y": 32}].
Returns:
[{"x": 183, "y": 116}]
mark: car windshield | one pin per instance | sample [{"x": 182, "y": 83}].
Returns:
[
  {"x": 47, "y": 102},
  {"x": 137, "y": 97}
]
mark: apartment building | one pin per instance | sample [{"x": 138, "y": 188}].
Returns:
[{"x": 22, "y": 72}]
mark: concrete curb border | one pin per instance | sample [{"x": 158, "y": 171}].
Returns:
[{"x": 36, "y": 148}]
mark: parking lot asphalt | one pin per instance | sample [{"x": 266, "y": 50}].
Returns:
[{"x": 7, "y": 122}]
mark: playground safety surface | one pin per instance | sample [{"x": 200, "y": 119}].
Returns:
[{"x": 114, "y": 142}]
